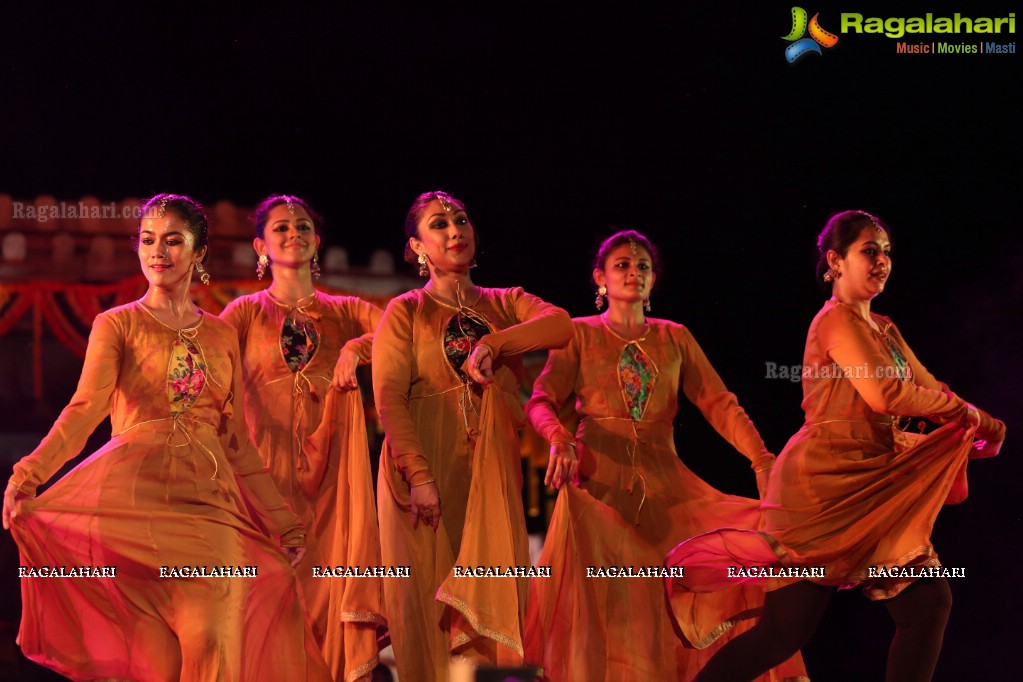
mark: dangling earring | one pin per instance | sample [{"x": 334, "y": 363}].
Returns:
[
  {"x": 204, "y": 276},
  {"x": 261, "y": 265},
  {"x": 424, "y": 271},
  {"x": 646, "y": 304},
  {"x": 601, "y": 291},
  {"x": 831, "y": 275},
  {"x": 314, "y": 267},
  {"x": 473, "y": 264}
]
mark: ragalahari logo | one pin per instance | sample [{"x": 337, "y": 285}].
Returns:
[{"x": 801, "y": 46}]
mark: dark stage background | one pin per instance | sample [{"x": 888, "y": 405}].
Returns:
[{"x": 556, "y": 121}]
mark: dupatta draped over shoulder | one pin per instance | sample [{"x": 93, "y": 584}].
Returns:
[
  {"x": 440, "y": 426},
  {"x": 313, "y": 440}
]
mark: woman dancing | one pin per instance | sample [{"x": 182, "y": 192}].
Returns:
[
  {"x": 300, "y": 349},
  {"x": 445, "y": 371},
  {"x": 636, "y": 497},
  {"x": 200, "y": 591},
  {"x": 849, "y": 496}
]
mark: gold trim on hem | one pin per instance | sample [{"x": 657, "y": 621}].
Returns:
[
  {"x": 716, "y": 633},
  {"x": 725, "y": 626},
  {"x": 362, "y": 617},
  {"x": 363, "y": 669},
  {"x": 861, "y": 577},
  {"x": 463, "y": 638},
  {"x": 927, "y": 551},
  {"x": 474, "y": 621},
  {"x": 872, "y": 587}
]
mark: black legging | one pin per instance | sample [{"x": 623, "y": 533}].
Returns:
[{"x": 790, "y": 618}]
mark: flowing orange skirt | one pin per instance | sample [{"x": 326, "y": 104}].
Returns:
[
  {"x": 842, "y": 505},
  {"x": 581, "y": 626},
  {"x": 139, "y": 504}
]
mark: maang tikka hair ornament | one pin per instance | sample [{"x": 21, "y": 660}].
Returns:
[
  {"x": 601, "y": 292},
  {"x": 162, "y": 208},
  {"x": 873, "y": 219},
  {"x": 290, "y": 203},
  {"x": 445, "y": 202}
]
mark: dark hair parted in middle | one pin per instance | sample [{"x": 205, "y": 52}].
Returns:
[
  {"x": 262, "y": 212},
  {"x": 415, "y": 214},
  {"x": 626, "y": 237},
  {"x": 186, "y": 208}
]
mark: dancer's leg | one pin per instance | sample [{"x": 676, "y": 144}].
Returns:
[
  {"x": 790, "y": 618},
  {"x": 920, "y": 613}
]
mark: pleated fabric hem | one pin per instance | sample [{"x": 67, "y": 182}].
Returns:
[{"x": 464, "y": 638}]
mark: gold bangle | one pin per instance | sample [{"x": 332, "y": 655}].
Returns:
[{"x": 429, "y": 480}]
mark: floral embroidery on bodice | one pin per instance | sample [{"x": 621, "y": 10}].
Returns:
[
  {"x": 299, "y": 340},
  {"x": 186, "y": 375},
  {"x": 636, "y": 374},
  {"x": 460, "y": 337}
]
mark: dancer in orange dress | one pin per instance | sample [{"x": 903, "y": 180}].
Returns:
[
  {"x": 446, "y": 368},
  {"x": 300, "y": 348},
  {"x": 849, "y": 495},
  {"x": 636, "y": 497},
  {"x": 202, "y": 589}
]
